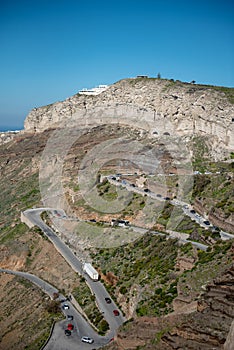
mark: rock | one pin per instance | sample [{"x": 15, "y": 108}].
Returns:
[
  {"x": 167, "y": 108},
  {"x": 210, "y": 327},
  {"x": 228, "y": 345}
]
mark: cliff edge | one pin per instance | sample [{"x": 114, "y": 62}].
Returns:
[{"x": 168, "y": 107}]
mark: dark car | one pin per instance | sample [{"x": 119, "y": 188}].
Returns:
[
  {"x": 158, "y": 195},
  {"x": 69, "y": 317},
  {"x": 67, "y": 332},
  {"x": 108, "y": 300},
  {"x": 206, "y": 222},
  {"x": 146, "y": 190},
  {"x": 192, "y": 211},
  {"x": 116, "y": 312},
  {"x": 166, "y": 198}
]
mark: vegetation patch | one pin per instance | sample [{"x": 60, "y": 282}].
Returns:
[
  {"x": 148, "y": 263},
  {"x": 209, "y": 264},
  {"x": 107, "y": 190},
  {"x": 40, "y": 318},
  {"x": 86, "y": 300}
]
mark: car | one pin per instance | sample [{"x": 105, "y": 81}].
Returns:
[
  {"x": 116, "y": 312},
  {"x": 146, "y": 190},
  {"x": 65, "y": 306},
  {"x": 63, "y": 300},
  {"x": 166, "y": 198},
  {"x": 69, "y": 317},
  {"x": 108, "y": 300},
  {"x": 206, "y": 222},
  {"x": 87, "y": 340},
  {"x": 192, "y": 211},
  {"x": 158, "y": 195},
  {"x": 67, "y": 332},
  {"x": 70, "y": 326}
]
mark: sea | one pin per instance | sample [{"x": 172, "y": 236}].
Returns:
[{"x": 10, "y": 128}]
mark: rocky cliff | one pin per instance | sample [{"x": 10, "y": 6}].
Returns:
[
  {"x": 210, "y": 327},
  {"x": 216, "y": 216},
  {"x": 163, "y": 107}
]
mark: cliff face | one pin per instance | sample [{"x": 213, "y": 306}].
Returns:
[
  {"x": 216, "y": 216},
  {"x": 162, "y": 106},
  {"x": 210, "y": 327}
]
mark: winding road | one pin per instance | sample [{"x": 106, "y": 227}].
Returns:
[
  {"x": 58, "y": 339},
  {"x": 33, "y": 215},
  {"x": 187, "y": 208}
]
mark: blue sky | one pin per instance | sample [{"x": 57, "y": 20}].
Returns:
[{"x": 50, "y": 49}]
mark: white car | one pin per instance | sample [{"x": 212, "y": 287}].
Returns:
[
  {"x": 87, "y": 340},
  {"x": 65, "y": 307}
]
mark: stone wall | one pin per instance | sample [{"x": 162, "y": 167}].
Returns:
[{"x": 26, "y": 221}]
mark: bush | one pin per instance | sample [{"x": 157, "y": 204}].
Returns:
[
  {"x": 53, "y": 307},
  {"x": 103, "y": 326},
  {"x": 123, "y": 290}
]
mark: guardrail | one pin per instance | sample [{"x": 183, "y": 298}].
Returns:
[{"x": 48, "y": 339}]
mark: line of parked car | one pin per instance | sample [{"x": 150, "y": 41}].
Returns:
[
  {"x": 70, "y": 327},
  {"x": 108, "y": 301}
]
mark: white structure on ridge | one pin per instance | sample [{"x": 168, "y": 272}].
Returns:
[{"x": 94, "y": 91}]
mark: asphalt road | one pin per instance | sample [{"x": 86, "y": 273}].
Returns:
[
  {"x": 185, "y": 207},
  {"x": 45, "y": 286},
  {"x": 58, "y": 340},
  {"x": 97, "y": 287}
]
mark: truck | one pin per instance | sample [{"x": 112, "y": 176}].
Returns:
[{"x": 91, "y": 272}]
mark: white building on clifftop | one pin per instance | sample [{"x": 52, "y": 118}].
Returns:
[{"x": 94, "y": 91}]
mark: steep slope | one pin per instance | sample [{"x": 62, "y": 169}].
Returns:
[
  {"x": 150, "y": 276},
  {"x": 163, "y": 106},
  {"x": 24, "y": 319},
  {"x": 207, "y": 327}
]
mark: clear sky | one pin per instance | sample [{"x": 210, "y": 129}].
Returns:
[{"x": 50, "y": 49}]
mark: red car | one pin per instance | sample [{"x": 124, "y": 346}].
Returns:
[
  {"x": 116, "y": 312},
  {"x": 70, "y": 327}
]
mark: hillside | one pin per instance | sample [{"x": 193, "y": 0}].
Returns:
[
  {"x": 206, "y": 327},
  {"x": 153, "y": 279},
  {"x": 159, "y": 106}
]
